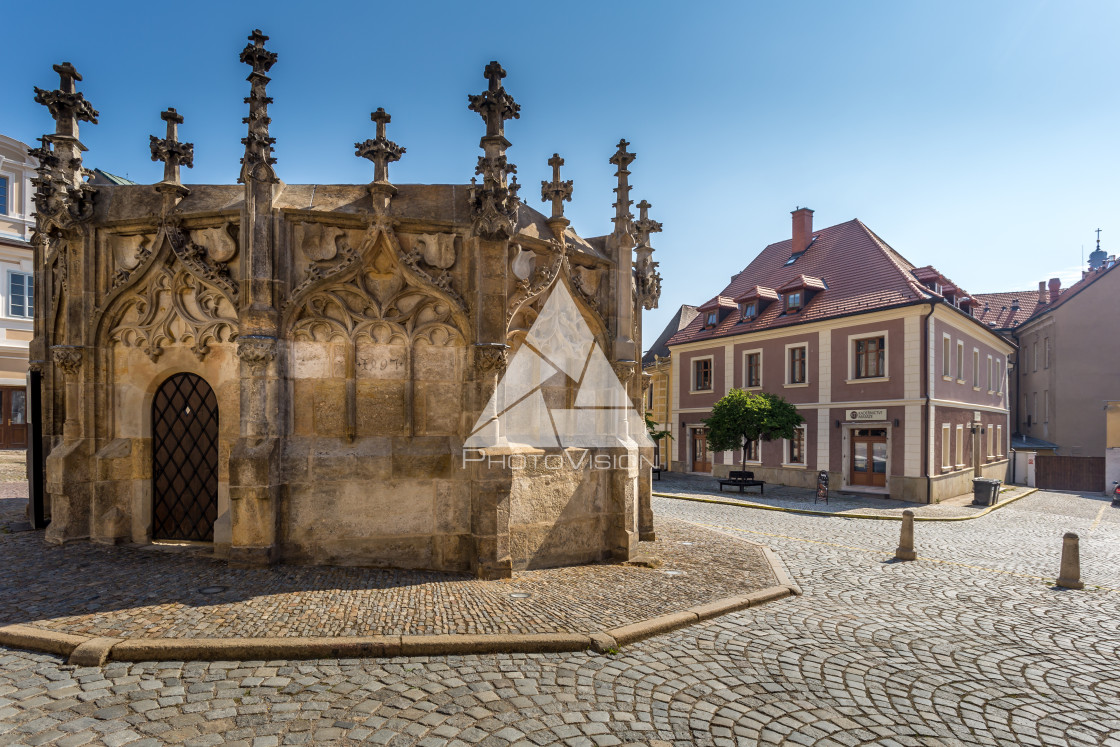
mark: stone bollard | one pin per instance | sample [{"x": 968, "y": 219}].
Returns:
[
  {"x": 905, "y": 549},
  {"x": 1069, "y": 576}
]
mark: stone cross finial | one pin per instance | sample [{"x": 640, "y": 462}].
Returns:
[
  {"x": 622, "y": 159},
  {"x": 66, "y": 105},
  {"x": 67, "y": 75},
  {"x": 644, "y": 225},
  {"x": 256, "y": 55},
  {"x": 381, "y": 150},
  {"x": 170, "y": 150},
  {"x": 495, "y": 105},
  {"x": 556, "y": 190}
]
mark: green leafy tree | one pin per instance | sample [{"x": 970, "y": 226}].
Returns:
[
  {"x": 742, "y": 417},
  {"x": 655, "y": 434}
]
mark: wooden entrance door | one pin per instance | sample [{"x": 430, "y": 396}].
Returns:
[
  {"x": 701, "y": 457},
  {"x": 869, "y": 457},
  {"x": 184, "y": 459},
  {"x": 13, "y": 417}
]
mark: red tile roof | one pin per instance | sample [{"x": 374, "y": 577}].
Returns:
[
  {"x": 999, "y": 311},
  {"x": 861, "y": 272}
]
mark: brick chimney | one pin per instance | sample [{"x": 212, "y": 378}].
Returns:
[
  {"x": 1055, "y": 288},
  {"x": 1041, "y": 292},
  {"x": 802, "y": 229}
]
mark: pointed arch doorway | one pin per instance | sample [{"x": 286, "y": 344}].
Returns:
[{"x": 184, "y": 459}]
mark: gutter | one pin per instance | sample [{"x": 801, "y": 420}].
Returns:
[{"x": 928, "y": 376}]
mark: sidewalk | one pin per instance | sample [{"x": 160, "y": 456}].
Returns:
[{"x": 801, "y": 500}]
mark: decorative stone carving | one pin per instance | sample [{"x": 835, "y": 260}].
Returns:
[
  {"x": 374, "y": 297},
  {"x": 624, "y": 370},
  {"x": 381, "y": 150},
  {"x": 68, "y": 358},
  {"x": 491, "y": 359},
  {"x": 257, "y": 162},
  {"x": 647, "y": 280},
  {"x": 436, "y": 249},
  {"x": 218, "y": 241},
  {"x": 556, "y": 191},
  {"x": 195, "y": 258},
  {"x": 586, "y": 281},
  {"x": 174, "y": 306},
  {"x": 494, "y": 203},
  {"x": 336, "y": 254},
  {"x": 173, "y": 153},
  {"x": 528, "y": 289},
  {"x": 256, "y": 350},
  {"x": 524, "y": 263},
  {"x": 319, "y": 242}
]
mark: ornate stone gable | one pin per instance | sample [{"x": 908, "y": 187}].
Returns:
[
  {"x": 174, "y": 295},
  {"x": 374, "y": 292}
]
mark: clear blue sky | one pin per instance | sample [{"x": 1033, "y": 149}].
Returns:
[{"x": 979, "y": 137}]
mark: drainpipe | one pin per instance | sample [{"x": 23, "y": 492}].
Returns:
[{"x": 927, "y": 376}]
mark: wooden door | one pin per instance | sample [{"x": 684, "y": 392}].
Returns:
[
  {"x": 701, "y": 457},
  {"x": 13, "y": 418},
  {"x": 868, "y": 465}
]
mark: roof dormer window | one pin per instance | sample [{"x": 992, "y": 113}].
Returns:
[
  {"x": 793, "y": 301},
  {"x": 748, "y": 310},
  {"x": 712, "y": 319}
]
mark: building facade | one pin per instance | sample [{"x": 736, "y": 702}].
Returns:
[
  {"x": 1068, "y": 365},
  {"x": 903, "y": 390},
  {"x": 657, "y": 366},
  {"x": 17, "y": 289},
  {"x": 292, "y": 372}
]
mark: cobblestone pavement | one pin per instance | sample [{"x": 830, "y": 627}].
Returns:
[
  {"x": 968, "y": 645},
  {"x": 803, "y": 499},
  {"x": 142, "y": 592}
]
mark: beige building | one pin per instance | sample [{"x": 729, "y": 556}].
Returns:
[
  {"x": 1112, "y": 446},
  {"x": 1069, "y": 363},
  {"x": 294, "y": 372},
  {"x": 657, "y": 366},
  {"x": 16, "y": 288}
]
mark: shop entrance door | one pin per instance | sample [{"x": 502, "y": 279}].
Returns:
[
  {"x": 13, "y": 417},
  {"x": 701, "y": 457},
  {"x": 869, "y": 457}
]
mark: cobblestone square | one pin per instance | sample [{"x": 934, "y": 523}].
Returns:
[{"x": 970, "y": 644}]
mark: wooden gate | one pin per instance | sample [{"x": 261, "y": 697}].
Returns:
[
  {"x": 1070, "y": 473},
  {"x": 184, "y": 459}
]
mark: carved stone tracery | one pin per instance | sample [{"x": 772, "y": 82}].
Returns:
[{"x": 173, "y": 306}]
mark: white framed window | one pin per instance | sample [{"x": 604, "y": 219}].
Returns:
[
  {"x": 21, "y": 295},
  {"x": 999, "y": 375},
  {"x": 3, "y": 195},
  {"x": 1046, "y": 353},
  {"x": 795, "y": 447},
  {"x": 702, "y": 374},
  {"x": 867, "y": 355},
  {"x": 752, "y": 369},
  {"x": 991, "y": 384},
  {"x": 991, "y": 441},
  {"x": 960, "y": 446},
  {"x": 1035, "y": 346},
  {"x": 999, "y": 440},
  {"x": 976, "y": 368},
  {"x": 960, "y": 361},
  {"x": 797, "y": 364},
  {"x": 946, "y": 357},
  {"x": 946, "y": 435}
]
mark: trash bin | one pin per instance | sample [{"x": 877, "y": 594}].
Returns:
[{"x": 984, "y": 491}]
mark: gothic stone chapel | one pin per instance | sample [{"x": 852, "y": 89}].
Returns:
[{"x": 290, "y": 372}]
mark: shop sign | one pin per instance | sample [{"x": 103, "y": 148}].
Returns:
[{"x": 863, "y": 416}]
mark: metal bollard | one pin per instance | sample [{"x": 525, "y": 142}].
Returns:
[
  {"x": 1069, "y": 576},
  {"x": 905, "y": 550}
]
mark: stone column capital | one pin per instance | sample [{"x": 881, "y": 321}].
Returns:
[
  {"x": 68, "y": 358},
  {"x": 256, "y": 350}
]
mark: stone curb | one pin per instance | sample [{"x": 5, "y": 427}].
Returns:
[
  {"x": 873, "y": 517},
  {"x": 92, "y": 651}
]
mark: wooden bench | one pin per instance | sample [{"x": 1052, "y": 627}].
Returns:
[{"x": 742, "y": 480}]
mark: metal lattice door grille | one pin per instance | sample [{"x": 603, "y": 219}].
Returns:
[{"x": 184, "y": 459}]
